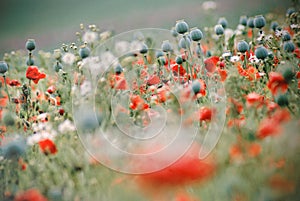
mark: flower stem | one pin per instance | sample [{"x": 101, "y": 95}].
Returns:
[{"x": 6, "y": 89}]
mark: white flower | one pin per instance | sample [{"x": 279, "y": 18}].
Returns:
[
  {"x": 228, "y": 34},
  {"x": 226, "y": 54},
  {"x": 253, "y": 59},
  {"x": 209, "y": 5},
  {"x": 105, "y": 35},
  {"x": 68, "y": 58},
  {"x": 107, "y": 59},
  {"x": 121, "y": 47},
  {"x": 42, "y": 131},
  {"x": 85, "y": 88},
  {"x": 93, "y": 64},
  {"x": 66, "y": 126},
  {"x": 234, "y": 59},
  {"x": 90, "y": 36},
  {"x": 136, "y": 45}
]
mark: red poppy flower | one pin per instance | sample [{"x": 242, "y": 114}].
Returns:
[
  {"x": 30, "y": 195},
  {"x": 254, "y": 99},
  {"x": 14, "y": 83},
  {"x": 174, "y": 67},
  {"x": 254, "y": 149},
  {"x": 47, "y": 146},
  {"x": 211, "y": 63},
  {"x": 154, "y": 79},
  {"x": 277, "y": 83},
  {"x": 187, "y": 170},
  {"x": 223, "y": 74},
  {"x": 51, "y": 89},
  {"x": 205, "y": 114},
  {"x": 279, "y": 183},
  {"x": 137, "y": 103},
  {"x": 33, "y": 74},
  {"x": 268, "y": 127}
]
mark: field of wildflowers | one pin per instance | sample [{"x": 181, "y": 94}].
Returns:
[{"x": 185, "y": 114}]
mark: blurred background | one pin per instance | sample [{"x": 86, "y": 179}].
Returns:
[{"x": 54, "y": 22}]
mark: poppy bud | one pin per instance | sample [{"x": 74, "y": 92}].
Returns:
[
  {"x": 84, "y": 52},
  {"x": 261, "y": 52},
  {"x": 259, "y": 21},
  {"x": 288, "y": 46},
  {"x": 250, "y": 22},
  {"x": 181, "y": 27},
  {"x": 30, "y": 44},
  {"x": 159, "y": 54},
  {"x": 166, "y": 46},
  {"x": 242, "y": 46},
  {"x": 219, "y": 30},
  {"x": 3, "y": 67},
  {"x": 243, "y": 20},
  {"x": 223, "y": 22},
  {"x": 196, "y": 34},
  {"x": 290, "y": 11}
]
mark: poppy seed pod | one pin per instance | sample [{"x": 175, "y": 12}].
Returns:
[
  {"x": 282, "y": 100},
  {"x": 184, "y": 43},
  {"x": 288, "y": 46},
  {"x": 223, "y": 22},
  {"x": 118, "y": 69},
  {"x": 290, "y": 11},
  {"x": 159, "y": 54},
  {"x": 196, "y": 34},
  {"x": 286, "y": 36},
  {"x": 179, "y": 60},
  {"x": 144, "y": 49},
  {"x": 30, "y": 62},
  {"x": 288, "y": 74},
  {"x": 196, "y": 87},
  {"x": 261, "y": 52},
  {"x": 174, "y": 32},
  {"x": 14, "y": 149},
  {"x": 57, "y": 67},
  {"x": 3, "y": 67},
  {"x": 242, "y": 46},
  {"x": 219, "y": 30},
  {"x": 181, "y": 27},
  {"x": 166, "y": 46},
  {"x": 84, "y": 52},
  {"x": 274, "y": 25},
  {"x": 243, "y": 20},
  {"x": 259, "y": 21},
  {"x": 250, "y": 22},
  {"x": 30, "y": 44}
]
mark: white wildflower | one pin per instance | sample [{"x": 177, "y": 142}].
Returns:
[
  {"x": 122, "y": 47},
  {"x": 85, "y": 88},
  {"x": 68, "y": 58},
  {"x": 66, "y": 126},
  {"x": 136, "y": 45},
  {"x": 234, "y": 58},
  {"x": 90, "y": 36},
  {"x": 209, "y": 5},
  {"x": 108, "y": 59}
]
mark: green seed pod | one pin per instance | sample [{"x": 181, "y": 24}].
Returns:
[
  {"x": 30, "y": 62},
  {"x": 84, "y": 52},
  {"x": 181, "y": 27},
  {"x": 288, "y": 74},
  {"x": 196, "y": 87},
  {"x": 144, "y": 49},
  {"x": 30, "y": 44},
  {"x": 259, "y": 21},
  {"x": 250, "y": 22},
  {"x": 223, "y": 22},
  {"x": 179, "y": 60},
  {"x": 196, "y": 34},
  {"x": 174, "y": 32},
  {"x": 285, "y": 36},
  {"x": 118, "y": 69},
  {"x": 288, "y": 46},
  {"x": 3, "y": 67},
  {"x": 282, "y": 100},
  {"x": 243, "y": 20},
  {"x": 274, "y": 25},
  {"x": 219, "y": 30},
  {"x": 242, "y": 46},
  {"x": 184, "y": 43},
  {"x": 166, "y": 46},
  {"x": 58, "y": 67},
  {"x": 261, "y": 52}
]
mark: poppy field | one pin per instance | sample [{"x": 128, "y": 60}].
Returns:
[{"x": 186, "y": 114}]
